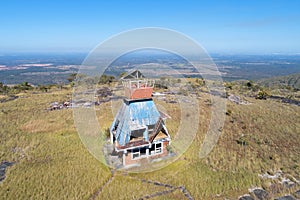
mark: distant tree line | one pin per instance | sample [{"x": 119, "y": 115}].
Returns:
[
  {"x": 5, "y": 89},
  {"x": 90, "y": 80},
  {"x": 25, "y": 86}
]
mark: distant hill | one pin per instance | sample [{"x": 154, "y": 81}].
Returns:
[{"x": 292, "y": 81}]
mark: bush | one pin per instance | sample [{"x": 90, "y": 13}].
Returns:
[
  {"x": 228, "y": 85},
  {"x": 23, "y": 86},
  {"x": 107, "y": 133},
  {"x": 262, "y": 94},
  {"x": 72, "y": 77},
  {"x": 250, "y": 84},
  {"x": 242, "y": 141},
  {"x": 44, "y": 88},
  {"x": 105, "y": 79},
  {"x": 4, "y": 89}
]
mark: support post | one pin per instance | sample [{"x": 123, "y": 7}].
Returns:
[
  {"x": 124, "y": 157},
  {"x": 111, "y": 138}
]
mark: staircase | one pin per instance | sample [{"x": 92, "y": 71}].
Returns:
[{"x": 155, "y": 130}]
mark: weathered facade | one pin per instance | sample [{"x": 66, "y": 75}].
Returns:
[{"x": 138, "y": 131}]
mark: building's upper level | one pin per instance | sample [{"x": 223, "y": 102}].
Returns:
[
  {"x": 136, "y": 86},
  {"x": 138, "y": 89}
]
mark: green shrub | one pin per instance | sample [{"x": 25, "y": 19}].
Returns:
[{"x": 262, "y": 94}]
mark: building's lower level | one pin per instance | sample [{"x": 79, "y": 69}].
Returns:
[{"x": 157, "y": 149}]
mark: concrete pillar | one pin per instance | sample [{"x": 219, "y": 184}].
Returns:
[
  {"x": 124, "y": 157},
  {"x": 147, "y": 152},
  {"x": 111, "y": 138},
  {"x": 124, "y": 163}
]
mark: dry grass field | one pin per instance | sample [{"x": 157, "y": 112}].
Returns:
[{"x": 52, "y": 163}]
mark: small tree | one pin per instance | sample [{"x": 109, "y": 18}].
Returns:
[
  {"x": 250, "y": 84},
  {"x": 262, "y": 94},
  {"x": 105, "y": 79},
  {"x": 23, "y": 86},
  {"x": 4, "y": 88},
  {"x": 200, "y": 81},
  {"x": 72, "y": 77}
]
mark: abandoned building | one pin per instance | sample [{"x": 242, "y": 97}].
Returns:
[{"x": 138, "y": 131}]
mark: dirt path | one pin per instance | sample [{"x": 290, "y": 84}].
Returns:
[
  {"x": 158, "y": 194},
  {"x": 169, "y": 188},
  {"x": 103, "y": 186}
]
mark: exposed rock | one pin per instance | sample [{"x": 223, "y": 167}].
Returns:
[
  {"x": 104, "y": 92},
  {"x": 280, "y": 183},
  {"x": 260, "y": 193},
  {"x": 287, "y": 197},
  {"x": 287, "y": 183},
  {"x": 237, "y": 100},
  {"x": 286, "y": 100},
  {"x": 10, "y": 98},
  {"x": 246, "y": 197},
  {"x": 3, "y": 167},
  {"x": 268, "y": 176},
  {"x": 71, "y": 104},
  {"x": 172, "y": 101}
]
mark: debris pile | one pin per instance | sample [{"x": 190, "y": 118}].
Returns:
[{"x": 59, "y": 106}]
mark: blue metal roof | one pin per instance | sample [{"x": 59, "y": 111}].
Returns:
[{"x": 134, "y": 115}]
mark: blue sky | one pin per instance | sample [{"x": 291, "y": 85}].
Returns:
[{"x": 220, "y": 27}]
